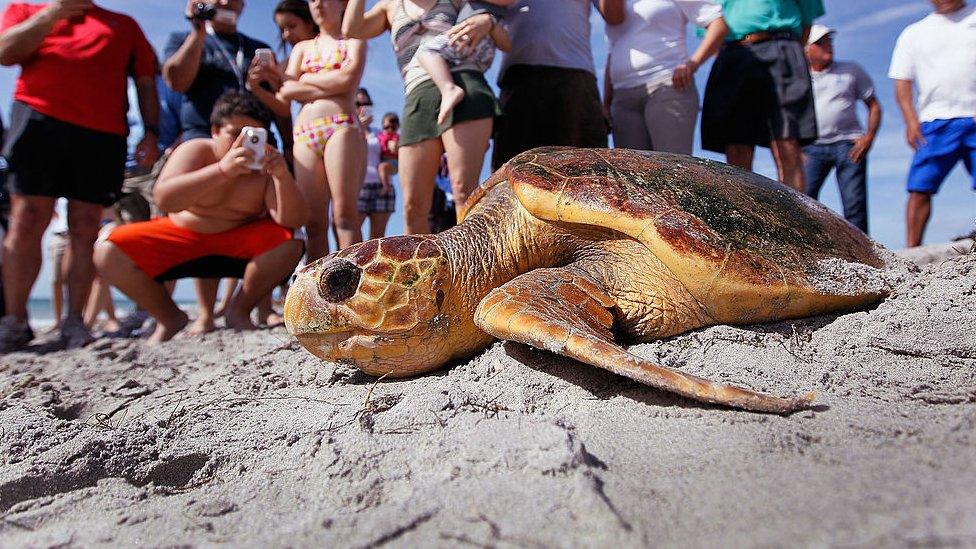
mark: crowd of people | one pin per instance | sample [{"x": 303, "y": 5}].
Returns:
[{"x": 209, "y": 194}]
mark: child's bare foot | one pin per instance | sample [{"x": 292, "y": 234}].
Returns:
[
  {"x": 449, "y": 99},
  {"x": 202, "y": 325},
  {"x": 167, "y": 328},
  {"x": 111, "y": 325},
  {"x": 238, "y": 320},
  {"x": 273, "y": 319}
]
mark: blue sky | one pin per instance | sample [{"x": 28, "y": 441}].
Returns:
[{"x": 867, "y": 30}]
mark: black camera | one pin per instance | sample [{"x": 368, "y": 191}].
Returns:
[{"x": 203, "y": 11}]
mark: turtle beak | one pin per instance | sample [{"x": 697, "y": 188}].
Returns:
[{"x": 312, "y": 316}]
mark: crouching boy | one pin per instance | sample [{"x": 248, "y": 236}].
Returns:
[{"x": 223, "y": 216}]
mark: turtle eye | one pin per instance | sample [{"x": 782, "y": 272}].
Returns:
[{"x": 339, "y": 280}]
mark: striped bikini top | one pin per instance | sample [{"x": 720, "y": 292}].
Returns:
[
  {"x": 313, "y": 61},
  {"x": 407, "y": 34}
]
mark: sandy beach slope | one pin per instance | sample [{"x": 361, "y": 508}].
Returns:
[{"x": 249, "y": 440}]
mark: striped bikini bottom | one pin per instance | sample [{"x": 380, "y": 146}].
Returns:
[{"x": 316, "y": 132}]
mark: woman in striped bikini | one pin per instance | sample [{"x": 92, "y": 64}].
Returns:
[
  {"x": 330, "y": 153},
  {"x": 464, "y": 135}
]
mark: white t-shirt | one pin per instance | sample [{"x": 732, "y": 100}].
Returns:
[
  {"x": 938, "y": 54},
  {"x": 373, "y": 157},
  {"x": 836, "y": 91},
  {"x": 650, "y": 43}
]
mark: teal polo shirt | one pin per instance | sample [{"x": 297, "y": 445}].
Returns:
[{"x": 748, "y": 16}]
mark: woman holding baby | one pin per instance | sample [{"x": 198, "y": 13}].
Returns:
[{"x": 442, "y": 62}]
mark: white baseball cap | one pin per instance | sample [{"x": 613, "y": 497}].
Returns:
[{"x": 819, "y": 31}]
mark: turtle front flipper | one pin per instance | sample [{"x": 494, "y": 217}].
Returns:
[{"x": 568, "y": 313}]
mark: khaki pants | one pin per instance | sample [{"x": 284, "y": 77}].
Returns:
[{"x": 655, "y": 117}]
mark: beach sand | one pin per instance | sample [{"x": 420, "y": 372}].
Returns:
[{"x": 248, "y": 439}]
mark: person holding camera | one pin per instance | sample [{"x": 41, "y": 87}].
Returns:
[
  {"x": 68, "y": 139},
  {"x": 232, "y": 207},
  {"x": 210, "y": 59}
]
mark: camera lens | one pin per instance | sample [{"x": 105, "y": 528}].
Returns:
[
  {"x": 254, "y": 139},
  {"x": 204, "y": 11}
]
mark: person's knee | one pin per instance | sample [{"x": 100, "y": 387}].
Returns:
[
  {"x": 413, "y": 209},
  {"x": 27, "y": 224},
  {"x": 345, "y": 216},
  {"x": 107, "y": 257},
  {"x": 83, "y": 229},
  {"x": 916, "y": 198}
]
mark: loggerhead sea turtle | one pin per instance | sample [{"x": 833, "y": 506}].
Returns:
[{"x": 569, "y": 250}]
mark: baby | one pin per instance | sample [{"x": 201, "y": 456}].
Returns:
[{"x": 436, "y": 56}]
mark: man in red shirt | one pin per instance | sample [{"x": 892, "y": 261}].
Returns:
[{"x": 68, "y": 139}]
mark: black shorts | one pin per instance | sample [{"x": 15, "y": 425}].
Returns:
[
  {"x": 547, "y": 106},
  {"x": 49, "y": 157},
  {"x": 757, "y": 93}
]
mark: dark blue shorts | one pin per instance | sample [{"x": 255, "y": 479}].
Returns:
[{"x": 946, "y": 143}]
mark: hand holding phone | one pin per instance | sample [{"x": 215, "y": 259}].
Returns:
[
  {"x": 255, "y": 140},
  {"x": 265, "y": 57}
]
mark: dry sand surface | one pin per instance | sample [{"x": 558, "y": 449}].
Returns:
[{"x": 249, "y": 440}]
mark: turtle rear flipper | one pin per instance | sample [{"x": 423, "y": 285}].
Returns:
[{"x": 567, "y": 312}]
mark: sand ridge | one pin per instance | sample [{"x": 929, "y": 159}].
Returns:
[{"x": 247, "y": 439}]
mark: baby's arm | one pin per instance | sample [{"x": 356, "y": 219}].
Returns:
[
  {"x": 500, "y": 35},
  {"x": 487, "y": 6}
]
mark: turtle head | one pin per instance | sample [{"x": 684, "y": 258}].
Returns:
[{"x": 379, "y": 305}]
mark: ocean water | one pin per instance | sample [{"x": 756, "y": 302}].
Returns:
[{"x": 41, "y": 311}]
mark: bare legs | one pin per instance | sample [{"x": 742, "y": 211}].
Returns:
[
  {"x": 57, "y": 282},
  {"x": 377, "y": 225},
  {"x": 739, "y": 156},
  {"x": 29, "y": 217},
  {"x": 466, "y": 144},
  {"x": 100, "y": 299},
  {"x": 440, "y": 75},
  {"x": 787, "y": 154},
  {"x": 83, "y": 225},
  {"x": 120, "y": 271},
  {"x": 917, "y": 217},
  {"x": 419, "y": 163},
  {"x": 262, "y": 273},
  {"x": 345, "y": 168},
  {"x": 335, "y": 178},
  {"x": 206, "y": 301},
  {"x": 789, "y": 163}
]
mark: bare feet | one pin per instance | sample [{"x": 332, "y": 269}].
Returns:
[
  {"x": 273, "y": 319},
  {"x": 202, "y": 325},
  {"x": 167, "y": 328},
  {"x": 449, "y": 99},
  {"x": 111, "y": 325},
  {"x": 238, "y": 320}
]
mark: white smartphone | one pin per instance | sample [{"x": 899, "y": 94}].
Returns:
[
  {"x": 265, "y": 56},
  {"x": 255, "y": 140}
]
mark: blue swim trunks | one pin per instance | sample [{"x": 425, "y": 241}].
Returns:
[{"x": 947, "y": 142}]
